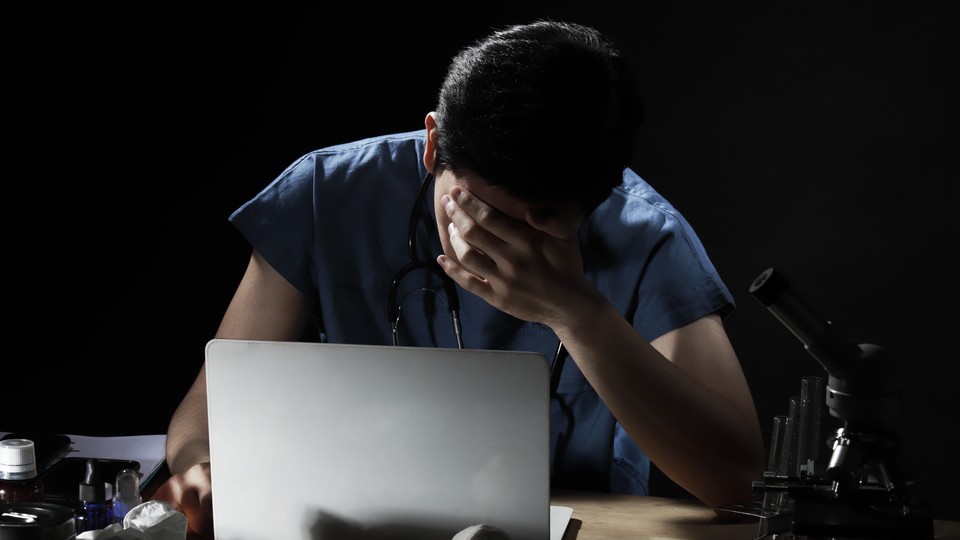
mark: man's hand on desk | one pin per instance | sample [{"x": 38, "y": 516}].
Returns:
[{"x": 190, "y": 492}]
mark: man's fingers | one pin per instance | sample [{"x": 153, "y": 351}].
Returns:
[
  {"x": 483, "y": 226},
  {"x": 471, "y": 259},
  {"x": 198, "y": 514},
  {"x": 189, "y": 494}
]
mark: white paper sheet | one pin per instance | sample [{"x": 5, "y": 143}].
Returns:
[{"x": 559, "y": 518}]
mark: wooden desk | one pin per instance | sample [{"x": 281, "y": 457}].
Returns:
[{"x": 602, "y": 516}]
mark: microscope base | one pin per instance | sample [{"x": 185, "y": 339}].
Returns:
[{"x": 817, "y": 520}]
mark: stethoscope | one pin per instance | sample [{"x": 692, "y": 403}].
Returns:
[{"x": 414, "y": 262}]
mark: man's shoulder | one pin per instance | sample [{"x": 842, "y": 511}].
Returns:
[
  {"x": 396, "y": 151},
  {"x": 395, "y": 141},
  {"x": 634, "y": 194},
  {"x": 633, "y": 185}
]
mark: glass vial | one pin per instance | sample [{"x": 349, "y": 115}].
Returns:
[
  {"x": 791, "y": 435},
  {"x": 126, "y": 494},
  {"x": 811, "y": 416},
  {"x": 18, "y": 472},
  {"x": 776, "y": 443}
]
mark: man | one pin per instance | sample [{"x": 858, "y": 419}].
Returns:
[{"x": 527, "y": 203}]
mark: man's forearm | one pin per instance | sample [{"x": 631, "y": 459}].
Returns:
[
  {"x": 188, "y": 438},
  {"x": 697, "y": 427}
]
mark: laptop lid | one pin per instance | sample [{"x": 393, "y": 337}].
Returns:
[{"x": 331, "y": 441}]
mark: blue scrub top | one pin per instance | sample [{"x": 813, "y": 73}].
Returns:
[{"x": 335, "y": 225}]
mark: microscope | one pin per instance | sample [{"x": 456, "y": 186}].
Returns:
[{"x": 864, "y": 489}]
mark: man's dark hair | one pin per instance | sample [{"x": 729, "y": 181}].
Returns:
[{"x": 546, "y": 111}]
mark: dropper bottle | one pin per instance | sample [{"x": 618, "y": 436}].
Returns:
[
  {"x": 93, "y": 510},
  {"x": 18, "y": 472},
  {"x": 126, "y": 494}
]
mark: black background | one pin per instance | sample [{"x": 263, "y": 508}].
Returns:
[{"x": 816, "y": 139}]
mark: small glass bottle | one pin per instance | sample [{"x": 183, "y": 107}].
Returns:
[
  {"x": 18, "y": 472},
  {"x": 94, "y": 510},
  {"x": 126, "y": 494}
]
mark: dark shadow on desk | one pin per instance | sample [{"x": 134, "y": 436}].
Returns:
[
  {"x": 573, "y": 529},
  {"x": 327, "y": 526}
]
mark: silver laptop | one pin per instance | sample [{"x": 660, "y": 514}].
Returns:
[{"x": 358, "y": 442}]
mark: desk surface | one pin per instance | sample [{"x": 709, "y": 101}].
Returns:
[{"x": 602, "y": 516}]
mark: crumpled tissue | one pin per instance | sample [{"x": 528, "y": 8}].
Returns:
[{"x": 151, "y": 520}]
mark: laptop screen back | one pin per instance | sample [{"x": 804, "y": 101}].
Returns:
[{"x": 330, "y": 441}]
